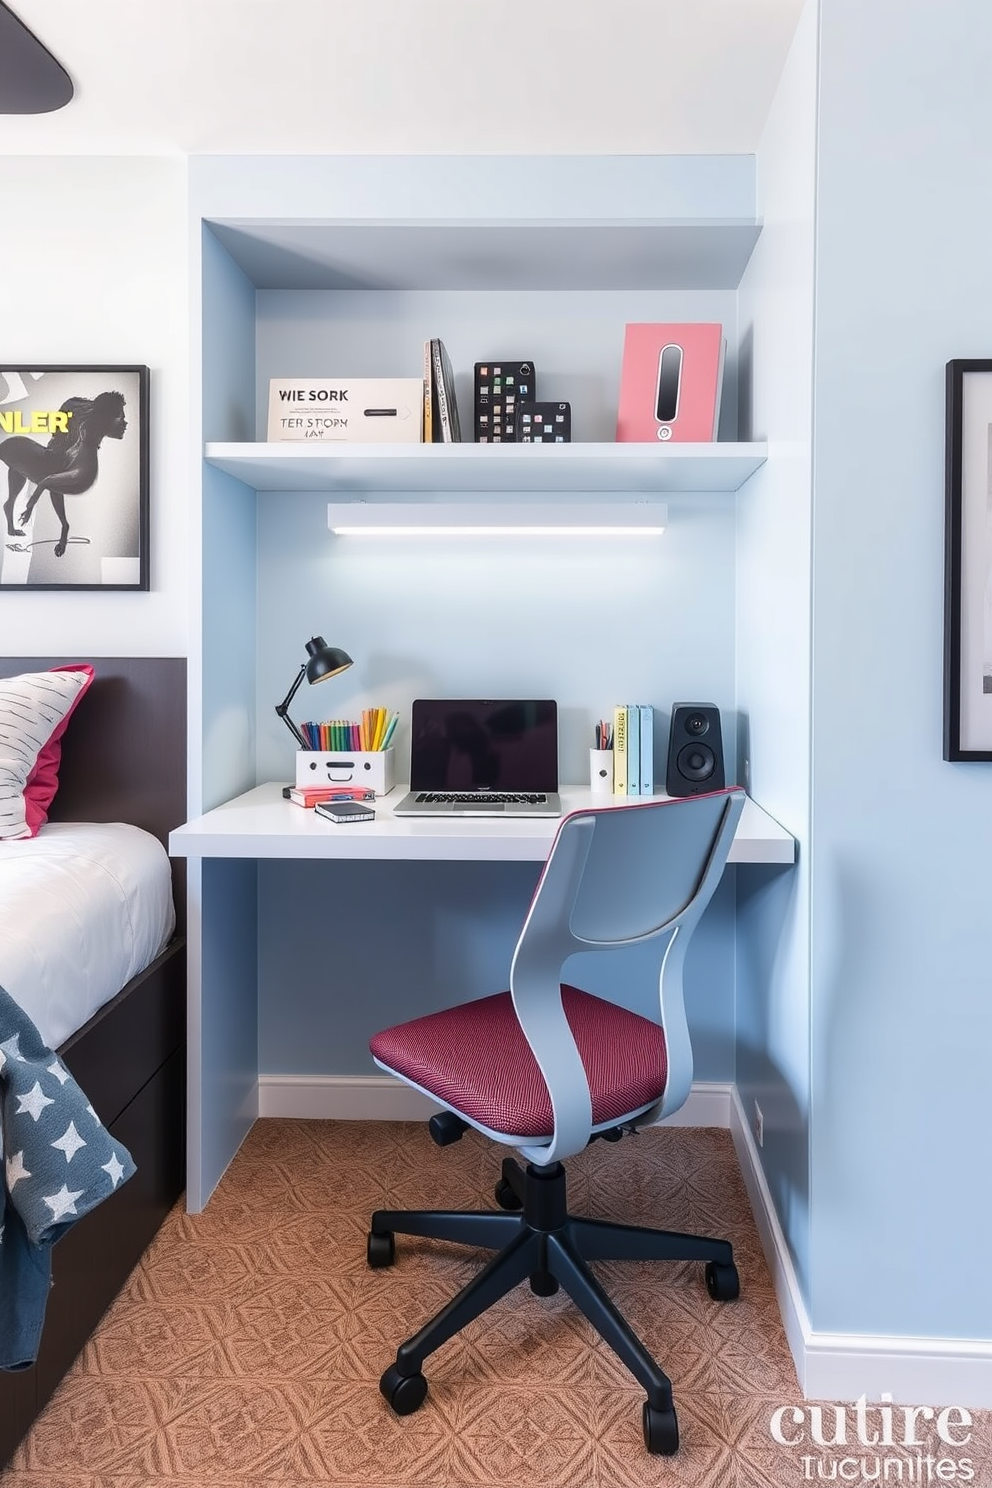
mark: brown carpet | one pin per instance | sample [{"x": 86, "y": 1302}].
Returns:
[{"x": 247, "y": 1346}]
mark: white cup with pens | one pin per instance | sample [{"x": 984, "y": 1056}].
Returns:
[{"x": 601, "y": 761}]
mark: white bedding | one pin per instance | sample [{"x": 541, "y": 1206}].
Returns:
[{"x": 83, "y": 908}]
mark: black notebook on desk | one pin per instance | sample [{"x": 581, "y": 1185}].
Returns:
[{"x": 483, "y": 757}]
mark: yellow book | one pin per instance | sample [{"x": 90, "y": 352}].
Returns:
[
  {"x": 620, "y": 750},
  {"x": 428, "y": 431}
]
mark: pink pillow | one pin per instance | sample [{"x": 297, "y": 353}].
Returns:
[{"x": 34, "y": 711}]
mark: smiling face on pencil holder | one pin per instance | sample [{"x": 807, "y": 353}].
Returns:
[
  {"x": 374, "y": 770},
  {"x": 344, "y": 771}
]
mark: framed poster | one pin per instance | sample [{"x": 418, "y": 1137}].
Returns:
[
  {"x": 74, "y": 477},
  {"x": 968, "y": 562}
]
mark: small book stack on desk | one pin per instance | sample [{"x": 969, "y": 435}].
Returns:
[
  {"x": 633, "y": 749},
  {"x": 312, "y": 795}
]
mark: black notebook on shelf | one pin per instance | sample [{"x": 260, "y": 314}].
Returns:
[
  {"x": 445, "y": 423},
  {"x": 483, "y": 757}
]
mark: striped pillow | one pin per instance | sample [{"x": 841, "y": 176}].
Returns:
[{"x": 34, "y": 710}]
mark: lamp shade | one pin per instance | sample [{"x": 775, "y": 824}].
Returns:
[{"x": 325, "y": 661}]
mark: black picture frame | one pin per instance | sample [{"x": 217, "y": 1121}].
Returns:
[
  {"x": 74, "y": 477},
  {"x": 968, "y": 561}
]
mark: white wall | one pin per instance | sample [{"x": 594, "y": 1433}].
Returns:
[{"x": 95, "y": 271}]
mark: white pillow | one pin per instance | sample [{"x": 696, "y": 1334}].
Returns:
[{"x": 34, "y": 710}]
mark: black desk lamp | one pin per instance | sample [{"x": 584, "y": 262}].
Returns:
[{"x": 325, "y": 661}]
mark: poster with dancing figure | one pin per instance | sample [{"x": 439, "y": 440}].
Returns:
[{"x": 74, "y": 477}]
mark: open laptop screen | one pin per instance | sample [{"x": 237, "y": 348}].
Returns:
[{"x": 501, "y": 745}]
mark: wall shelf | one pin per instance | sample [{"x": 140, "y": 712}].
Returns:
[
  {"x": 642, "y": 469},
  {"x": 487, "y": 255}
]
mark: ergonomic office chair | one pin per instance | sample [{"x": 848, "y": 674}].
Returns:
[{"x": 546, "y": 1068}]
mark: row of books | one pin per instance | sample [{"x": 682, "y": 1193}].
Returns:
[
  {"x": 633, "y": 749},
  {"x": 373, "y": 733}
]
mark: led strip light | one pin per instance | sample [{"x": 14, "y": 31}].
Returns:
[{"x": 368, "y": 519}]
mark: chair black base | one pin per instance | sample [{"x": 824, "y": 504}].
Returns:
[{"x": 551, "y": 1248}]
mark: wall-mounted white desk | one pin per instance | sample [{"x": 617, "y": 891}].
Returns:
[
  {"x": 224, "y": 846},
  {"x": 260, "y": 824}
]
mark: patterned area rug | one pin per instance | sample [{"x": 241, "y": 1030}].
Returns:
[{"x": 247, "y": 1346}]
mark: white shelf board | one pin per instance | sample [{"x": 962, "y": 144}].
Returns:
[
  {"x": 504, "y": 255},
  {"x": 260, "y": 824},
  {"x": 644, "y": 469}
]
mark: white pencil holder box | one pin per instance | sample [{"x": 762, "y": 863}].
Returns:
[{"x": 375, "y": 770}]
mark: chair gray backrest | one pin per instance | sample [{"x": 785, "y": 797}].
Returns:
[
  {"x": 644, "y": 866},
  {"x": 617, "y": 875}
]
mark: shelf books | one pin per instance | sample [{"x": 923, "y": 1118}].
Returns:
[
  {"x": 443, "y": 379},
  {"x": 620, "y": 749},
  {"x": 645, "y": 713},
  {"x": 633, "y": 749},
  {"x": 429, "y": 400}
]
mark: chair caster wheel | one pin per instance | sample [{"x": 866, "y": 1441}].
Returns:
[
  {"x": 543, "y": 1284},
  {"x": 722, "y": 1281},
  {"x": 405, "y": 1392},
  {"x": 506, "y": 1196},
  {"x": 661, "y": 1430},
  {"x": 381, "y": 1249}
]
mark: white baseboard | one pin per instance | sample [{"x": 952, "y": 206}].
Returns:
[
  {"x": 342, "y": 1098},
  {"x": 384, "y": 1098},
  {"x": 844, "y": 1366},
  {"x": 381, "y": 1097}
]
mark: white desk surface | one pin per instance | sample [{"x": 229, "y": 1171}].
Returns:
[{"x": 261, "y": 824}]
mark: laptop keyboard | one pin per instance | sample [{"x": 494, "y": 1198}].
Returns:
[{"x": 473, "y": 798}]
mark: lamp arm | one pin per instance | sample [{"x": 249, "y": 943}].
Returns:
[{"x": 283, "y": 708}]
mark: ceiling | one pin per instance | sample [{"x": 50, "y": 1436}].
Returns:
[{"x": 402, "y": 77}]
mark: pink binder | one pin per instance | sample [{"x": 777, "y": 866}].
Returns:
[{"x": 670, "y": 383}]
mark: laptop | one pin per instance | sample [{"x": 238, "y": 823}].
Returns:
[{"x": 483, "y": 757}]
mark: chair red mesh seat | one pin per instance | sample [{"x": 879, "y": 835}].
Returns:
[{"x": 622, "y": 1053}]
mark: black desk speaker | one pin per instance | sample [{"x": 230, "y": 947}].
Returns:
[{"x": 695, "y": 750}]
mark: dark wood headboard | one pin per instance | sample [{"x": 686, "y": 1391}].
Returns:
[{"x": 124, "y": 751}]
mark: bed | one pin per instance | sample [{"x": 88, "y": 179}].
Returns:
[{"x": 123, "y": 760}]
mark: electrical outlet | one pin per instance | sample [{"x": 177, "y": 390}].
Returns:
[{"x": 759, "y": 1125}]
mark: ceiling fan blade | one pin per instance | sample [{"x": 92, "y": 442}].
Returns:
[{"x": 31, "y": 80}]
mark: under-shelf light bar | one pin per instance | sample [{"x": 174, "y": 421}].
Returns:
[{"x": 574, "y": 519}]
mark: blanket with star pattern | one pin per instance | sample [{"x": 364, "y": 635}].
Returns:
[{"x": 59, "y": 1163}]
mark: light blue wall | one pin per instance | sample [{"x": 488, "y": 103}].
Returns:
[
  {"x": 583, "y": 625},
  {"x": 226, "y": 590},
  {"x": 773, "y": 640},
  {"x": 394, "y": 941},
  {"x": 588, "y": 625},
  {"x": 901, "y": 1031}
]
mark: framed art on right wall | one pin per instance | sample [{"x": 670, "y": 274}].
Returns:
[{"x": 968, "y": 562}]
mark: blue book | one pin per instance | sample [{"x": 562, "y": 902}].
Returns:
[
  {"x": 646, "y": 754},
  {"x": 633, "y": 751}
]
